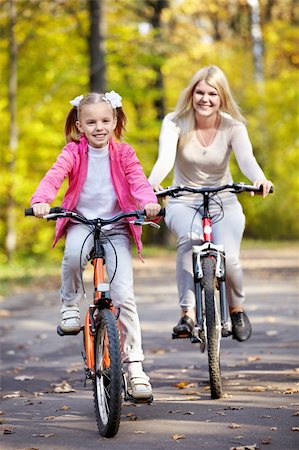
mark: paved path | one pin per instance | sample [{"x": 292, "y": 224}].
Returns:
[{"x": 260, "y": 377}]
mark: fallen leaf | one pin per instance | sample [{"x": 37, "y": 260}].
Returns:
[
  {"x": 15, "y": 394},
  {"x": 234, "y": 425},
  {"x": 253, "y": 358},
  {"x": 23, "y": 377},
  {"x": 295, "y": 428},
  {"x": 63, "y": 387},
  {"x": 273, "y": 429},
  {"x": 184, "y": 385},
  {"x": 245, "y": 447},
  {"x": 50, "y": 418},
  {"x": 64, "y": 408},
  {"x": 296, "y": 413},
  {"x": 176, "y": 437},
  {"x": 256, "y": 389},
  {"x": 232, "y": 408},
  {"x": 188, "y": 413},
  {"x": 6, "y": 430},
  {"x": 46, "y": 435},
  {"x": 290, "y": 391}
]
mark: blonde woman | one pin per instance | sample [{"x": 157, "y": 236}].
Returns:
[{"x": 197, "y": 140}]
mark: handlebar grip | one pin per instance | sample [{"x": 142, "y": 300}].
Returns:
[
  {"x": 29, "y": 212},
  {"x": 54, "y": 210},
  {"x": 259, "y": 191}
]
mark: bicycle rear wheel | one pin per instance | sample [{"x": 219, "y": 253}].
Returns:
[
  {"x": 107, "y": 385},
  {"x": 212, "y": 325}
]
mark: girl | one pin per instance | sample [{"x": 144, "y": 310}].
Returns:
[
  {"x": 105, "y": 178},
  {"x": 197, "y": 140}
]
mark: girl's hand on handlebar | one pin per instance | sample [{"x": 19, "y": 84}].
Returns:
[
  {"x": 152, "y": 210},
  {"x": 266, "y": 186},
  {"x": 41, "y": 209}
]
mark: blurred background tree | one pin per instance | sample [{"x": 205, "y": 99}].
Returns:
[{"x": 147, "y": 50}]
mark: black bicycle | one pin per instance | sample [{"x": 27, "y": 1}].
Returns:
[
  {"x": 101, "y": 354},
  {"x": 209, "y": 280}
]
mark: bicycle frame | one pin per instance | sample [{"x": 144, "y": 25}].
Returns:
[{"x": 209, "y": 250}]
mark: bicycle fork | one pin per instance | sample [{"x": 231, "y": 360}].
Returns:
[{"x": 209, "y": 250}]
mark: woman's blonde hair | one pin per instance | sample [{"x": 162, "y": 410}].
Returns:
[
  {"x": 184, "y": 115},
  {"x": 71, "y": 131}
]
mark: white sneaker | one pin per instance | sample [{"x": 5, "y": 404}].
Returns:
[
  {"x": 70, "y": 319},
  {"x": 139, "y": 385}
]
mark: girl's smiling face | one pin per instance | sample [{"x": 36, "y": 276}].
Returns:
[
  {"x": 97, "y": 122},
  {"x": 206, "y": 100}
]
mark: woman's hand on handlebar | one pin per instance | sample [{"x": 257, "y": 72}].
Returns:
[
  {"x": 157, "y": 187},
  {"x": 41, "y": 209},
  {"x": 152, "y": 210},
  {"x": 267, "y": 185}
]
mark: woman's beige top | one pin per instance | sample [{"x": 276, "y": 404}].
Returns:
[{"x": 197, "y": 165}]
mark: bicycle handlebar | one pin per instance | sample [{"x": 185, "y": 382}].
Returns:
[
  {"x": 58, "y": 212},
  {"x": 237, "y": 188}
]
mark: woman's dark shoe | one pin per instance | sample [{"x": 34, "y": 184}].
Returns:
[
  {"x": 185, "y": 326},
  {"x": 241, "y": 327}
]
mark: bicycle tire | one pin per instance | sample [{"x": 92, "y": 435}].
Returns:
[
  {"x": 107, "y": 384},
  {"x": 212, "y": 326}
]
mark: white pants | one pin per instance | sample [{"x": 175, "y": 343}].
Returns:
[
  {"x": 121, "y": 288},
  {"x": 185, "y": 222}
]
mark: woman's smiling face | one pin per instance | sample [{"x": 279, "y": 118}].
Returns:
[
  {"x": 97, "y": 122},
  {"x": 205, "y": 100}
]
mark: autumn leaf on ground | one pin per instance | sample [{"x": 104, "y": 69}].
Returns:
[
  {"x": 253, "y": 358},
  {"x": 290, "y": 391},
  {"x": 184, "y": 385},
  {"x": 64, "y": 408},
  {"x": 177, "y": 437},
  {"x": 46, "y": 435},
  {"x": 23, "y": 377},
  {"x": 246, "y": 447},
  {"x": 50, "y": 418},
  {"x": 63, "y": 387},
  {"x": 6, "y": 430},
  {"x": 234, "y": 425},
  {"x": 256, "y": 389},
  {"x": 15, "y": 394}
]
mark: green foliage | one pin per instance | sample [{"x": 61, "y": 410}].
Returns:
[{"x": 53, "y": 61}]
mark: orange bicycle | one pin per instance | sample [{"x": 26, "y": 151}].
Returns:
[{"x": 101, "y": 342}]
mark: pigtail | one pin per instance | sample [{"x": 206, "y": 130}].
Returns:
[
  {"x": 70, "y": 129},
  {"x": 121, "y": 123}
]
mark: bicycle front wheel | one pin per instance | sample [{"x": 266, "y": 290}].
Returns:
[
  {"x": 212, "y": 325},
  {"x": 107, "y": 384}
]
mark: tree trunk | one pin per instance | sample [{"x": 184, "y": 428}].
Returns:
[
  {"x": 257, "y": 39},
  {"x": 97, "y": 71},
  {"x": 10, "y": 238}
]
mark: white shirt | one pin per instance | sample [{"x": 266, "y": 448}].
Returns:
[{"x": 98, "y": 198}]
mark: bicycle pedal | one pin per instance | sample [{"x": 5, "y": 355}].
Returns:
[
  {"x": 181, "y": 335},
  {"x": 60, "y": 332},
  {"x": 141, "y": 400}
]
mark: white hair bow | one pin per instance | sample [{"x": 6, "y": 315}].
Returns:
[
  {"x": 114, "y": 99},
  {"x": 76, "y": 101}
]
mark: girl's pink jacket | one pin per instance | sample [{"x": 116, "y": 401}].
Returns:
[{"x": 130, "y": 183}]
